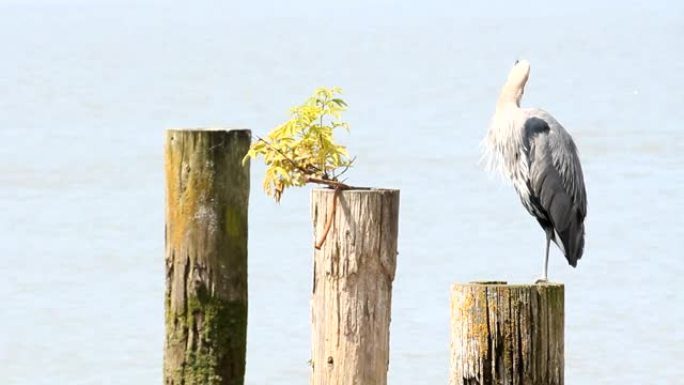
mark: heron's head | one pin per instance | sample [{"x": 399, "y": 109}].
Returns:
[
  {"x": 515, "y": 84},
  {"x": 518, "y": 76}
]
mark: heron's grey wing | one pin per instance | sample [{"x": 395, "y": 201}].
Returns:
[{"x": 556, "y": 182}]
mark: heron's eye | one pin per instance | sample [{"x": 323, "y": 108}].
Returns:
[{"x": 516, "y": 62}]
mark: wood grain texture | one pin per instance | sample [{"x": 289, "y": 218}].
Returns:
[
  {"x": 352, "y": 288},
  {"x": 207, "y": 193},
  {"x": 507, "y": 334}
]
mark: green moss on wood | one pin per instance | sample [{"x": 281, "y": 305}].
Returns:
[
  {"x": 235, "y": 223},
  {"x": 216, "y": 332}
]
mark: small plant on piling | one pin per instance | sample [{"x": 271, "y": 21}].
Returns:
[{"x": 302, "y": 150}]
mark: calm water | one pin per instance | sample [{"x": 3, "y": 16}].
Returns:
[{"x": 87, "y": 88}]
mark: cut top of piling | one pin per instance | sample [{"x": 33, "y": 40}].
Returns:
[
  {"x": 209, "y": 129},
  {"x": 506, "y": 284},
  {"x": 358, "y": 190}
]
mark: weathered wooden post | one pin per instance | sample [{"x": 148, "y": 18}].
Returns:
[
  {"x": 207, "y": 192},
  {"x": 507, "y": 334},
  {"x": 352, "y": 288}
]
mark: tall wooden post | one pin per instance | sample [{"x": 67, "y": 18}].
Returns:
[
  {"x": 207, "y": 192},
  {"x": 507, "y": 334},
  {"x": 352, "y": 288}
]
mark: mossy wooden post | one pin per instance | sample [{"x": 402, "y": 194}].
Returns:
[
  {"x": 207, "y": 192},
  {"x": 507, "y": 334},
  {"x": 352, "y": 287}
]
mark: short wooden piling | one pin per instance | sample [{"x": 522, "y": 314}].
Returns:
[
  {"x": 352, "y": 288},
  {"x": 507, "y": 334},
  {"x": 207, "y": 192}
]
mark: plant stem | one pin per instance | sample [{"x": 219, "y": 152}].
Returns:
[
  {"x": 328, "y": 182},
  {"x": 328, "y": 221}
]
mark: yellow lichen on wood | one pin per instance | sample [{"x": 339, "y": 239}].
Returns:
[{"x": 185, "y": 185}]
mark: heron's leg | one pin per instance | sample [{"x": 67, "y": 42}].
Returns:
[
  {"x": 545, "y": 274},
  {"x": 546, "y": 260}
]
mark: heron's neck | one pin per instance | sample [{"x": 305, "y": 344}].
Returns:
[{"x": 509, "y": 98}]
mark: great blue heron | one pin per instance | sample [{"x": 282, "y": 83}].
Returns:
[{"x": 530, "y": 147}]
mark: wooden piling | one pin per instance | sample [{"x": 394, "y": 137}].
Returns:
[
  {"x": 507, "y": 334},
  {"x": 207, "y": 192},
  {"x": 352, "y": 287}
]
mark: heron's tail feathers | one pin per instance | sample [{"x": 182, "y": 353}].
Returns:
[{"x": 571, "y": 241}]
